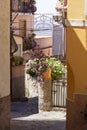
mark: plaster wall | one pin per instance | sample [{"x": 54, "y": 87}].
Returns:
[
  {"x": 76, "y": 9},
  {"x": 4, "y": 48},
  {"x": 77, "y": 59},
  {"x": 44, "y": 41},
  {"x": 5, "y": 65},
  {"x": 76, "y": 44},
  {"x": 29, "y": 22},
  {"x": 76, "y": 37}
]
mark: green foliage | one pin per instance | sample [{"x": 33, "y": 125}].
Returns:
[
  {"x": 57, "y": 70},
  {"x": 61, "y": 0},
  {"x": 32, "y": 72},
  {"x": 17, "y": 60},
  {"x": 19, "y": 2},
  {"x": 38, "y": 66}
]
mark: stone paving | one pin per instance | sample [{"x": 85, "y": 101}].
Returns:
[{"x": 25, "y": 116}]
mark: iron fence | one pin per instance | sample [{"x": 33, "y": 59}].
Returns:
[{"x": 59, "y": 92}]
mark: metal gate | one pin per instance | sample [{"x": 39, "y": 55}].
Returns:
[{"x": 59, "y": 92}]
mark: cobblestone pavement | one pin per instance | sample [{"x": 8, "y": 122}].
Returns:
[{"x": 25, "y": 116}]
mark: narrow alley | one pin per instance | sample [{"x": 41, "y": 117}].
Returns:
[{"x": 25, "y": 116}]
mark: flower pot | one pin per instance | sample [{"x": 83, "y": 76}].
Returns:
[{"x": 47, "y": 74}]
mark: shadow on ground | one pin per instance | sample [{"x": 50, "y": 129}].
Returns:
[
  {"x": 38, "y": 125},
  {"x": 25, "y": 116},
  {"x": 24, "y": 108}
]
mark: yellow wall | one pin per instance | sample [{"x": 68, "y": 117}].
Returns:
[
  {"x": 76, "y": 9},
  {"x": 4, "y": 48},
  {"x": 77, "y": 59},
  {"x": 76, "y": 50}
]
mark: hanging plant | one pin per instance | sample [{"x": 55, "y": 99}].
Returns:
[
  {"x": 17, "y": 60},
  {"x": 27, "y": 6}
]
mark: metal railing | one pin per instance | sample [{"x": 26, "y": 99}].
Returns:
[{"x": 59, "y": 92}]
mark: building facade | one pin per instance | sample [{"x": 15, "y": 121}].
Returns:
[
  {"x": 76, "y": 41},
  {"x": 58, "y": 40}
]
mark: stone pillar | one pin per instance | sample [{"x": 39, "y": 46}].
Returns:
[
  {"x": 31, "y": 86},
  {"x": 45, "y": 101},
  {"x": 5, "y": 65}
]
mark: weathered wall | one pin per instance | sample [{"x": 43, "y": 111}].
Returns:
[
  {"x": 4, "y": 65},
  {"x": 18, "y": 84}
]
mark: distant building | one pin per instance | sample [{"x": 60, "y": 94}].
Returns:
[
  {"x": 58, "y": 40},
  {"x": 44, "y": 42},
  {"x": 14, "y": 5}
]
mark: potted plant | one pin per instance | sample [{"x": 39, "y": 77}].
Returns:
[
  {"x": 38, "y": 67},
  {"x": 17, "y": 60},
  {"x": 47, "y": 68}
]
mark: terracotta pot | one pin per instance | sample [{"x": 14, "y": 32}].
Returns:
[{"x": 47, "y": 74}]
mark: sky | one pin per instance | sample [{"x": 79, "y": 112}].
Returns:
[{"x": 45, "y": 6}]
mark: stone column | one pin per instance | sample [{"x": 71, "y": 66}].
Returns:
[
  {"x": 45, "y": 101},
  {"x": 5, "y": 65}
]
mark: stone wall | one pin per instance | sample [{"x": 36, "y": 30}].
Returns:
[
  {"x": 42, "y": 89},
  {"x": 45, "y": 98},
  {"x": 31, "y": 86}
]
